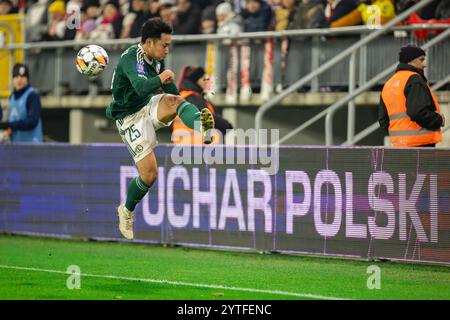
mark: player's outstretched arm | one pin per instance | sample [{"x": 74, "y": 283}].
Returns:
[
  {"x": 143, "y": 85},
  {"x": 169, "y": 85},
  {"x": 167, "y": 76}
]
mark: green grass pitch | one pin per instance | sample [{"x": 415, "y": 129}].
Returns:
[{"x": 35, "y": 268}]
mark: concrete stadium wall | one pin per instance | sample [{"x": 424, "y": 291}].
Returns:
[{"x": 91, "y": 126}]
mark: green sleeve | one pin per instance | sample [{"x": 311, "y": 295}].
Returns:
[
  {"x": 171, "y": 88},
  {"x": 142, "y": 85}
]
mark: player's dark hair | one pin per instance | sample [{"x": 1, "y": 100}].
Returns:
[{"x": 153, "y": 28}]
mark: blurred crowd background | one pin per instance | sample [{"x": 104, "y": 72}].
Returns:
[{"x": 52, "y": 20}]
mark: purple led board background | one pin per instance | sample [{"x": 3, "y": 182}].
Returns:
[{"x": 360, "y": 202}]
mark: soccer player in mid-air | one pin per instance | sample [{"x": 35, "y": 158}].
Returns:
[{"x": 145, "y": 99}]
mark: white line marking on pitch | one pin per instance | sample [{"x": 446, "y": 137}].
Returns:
[{"x": 178, "y": 283}]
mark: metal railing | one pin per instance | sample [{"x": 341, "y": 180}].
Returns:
[
  {"x": 326, "y": 66},
  {"x": 352, "y": 30},
  {"x": 375, "y": 126},
  {"x": 336, "y": 106}
]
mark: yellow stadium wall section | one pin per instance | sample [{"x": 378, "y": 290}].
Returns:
[{"x": 11, "y": 31}]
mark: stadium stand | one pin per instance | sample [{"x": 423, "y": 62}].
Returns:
[
  {"x": 259, "y": 15},
  {"x": 64, "y": 90}
]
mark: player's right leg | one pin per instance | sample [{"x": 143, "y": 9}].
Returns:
[{"x": 170, "y": 106}]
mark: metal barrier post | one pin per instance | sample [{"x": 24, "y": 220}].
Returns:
[
  {"x": 218, "y": 66},
  {"x": 362, "y": 64},
  {"x": 58, "y": 72},
  {"x": 351, "y": 105},
  {"x": 427, "y": 61},
  {"x": 315, "y": 62},
  {"x": 93, "y": 88}
]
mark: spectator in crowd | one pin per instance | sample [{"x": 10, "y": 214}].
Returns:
[
  {"x": 402, "y": 5},
  {"x": 109, "y": 24},
  {"x": 376, "y": 12},
  {"x": 92, "y": 9},
  {"x": 428, "y": 12},
  {"x": 56, "y": 22},
  {"x": 441, "y": 14},
  {"x": 194, "y": 83},
  {"x": 87, "y": 24},
  {"x": 124, "y": 6},
  {"x": 209, "y": 20},
  {"x": 338, "y": 12},
  {"x": 153, "y": 8},
  {"x": 204, "y": 3},
  {"x": 408, "y": 110},
  {"x": 167, "y": 11},
  {"x": 73, "y": 5},
  {"x": 308, "y": 14},
  {"x": 36, "y": 20},
  {"x": 24, "y": 113},
  {"x": 134, "y": 20},
  {"x": 227, "y": 21},
  {"x": 36, "y": 13},
  {"x": 230, "y": 23},
  {"x": 368, "y": 12},
  {"x": 127, "y": 23},
  {"x": 72, "y": 19},
  {"x": 283, "y": 14},
  {"x": 275, "y": 4},
  {"x": 257, "y": 16},
  {"x": 442, "y": 10},
  {"x": 18, "y": 6},
  {"x": 188, "y": 20},
  {"x": 6, "y": 7}
]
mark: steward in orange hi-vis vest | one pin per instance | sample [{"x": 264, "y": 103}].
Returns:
[
  {"x": 408, "y": 109},
  {"x": 193, "y": 81}
]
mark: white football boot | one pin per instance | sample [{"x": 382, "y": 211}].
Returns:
[{"x": 126, "y": 220}]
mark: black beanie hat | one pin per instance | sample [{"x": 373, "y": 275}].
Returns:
[
  {"x": 195, "y": 73},
  {"x": 409, "y": 53},
  {"x": 20, "y": 69}
]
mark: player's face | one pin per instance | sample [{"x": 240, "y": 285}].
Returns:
[
  {"x": 19, "y": 82},
  {"x": 158, "y": 49}
]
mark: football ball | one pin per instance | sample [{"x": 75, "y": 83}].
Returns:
[{"x": 92, "y": 60}]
